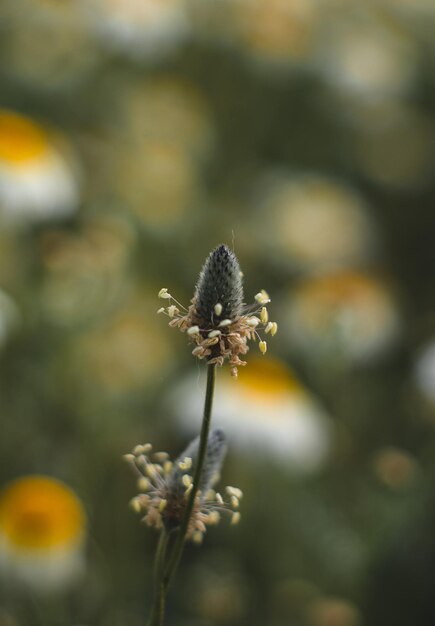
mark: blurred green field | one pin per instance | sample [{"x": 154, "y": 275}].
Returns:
[{"x": 136, "y": 136}]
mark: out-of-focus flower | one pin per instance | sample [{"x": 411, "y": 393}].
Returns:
[
  {"x": 313, "y": 221},
  {"x": 424, "y": 371},
  {"x": 126, "y": 353},
  {"x": 168, "y": 109},
  {"x": 366, "y": 56},
  {"x": 393, "y": 143},
  {"x": 86, "y": 272},
  {"x": 333, "y": 612},
  {"x": 146, "y": 29},
  {"x": 9, "y": 316},
  {"x": 278, "y": 34},
  {"x": 265, "y": 411},
  {"x": 42, "y": 534},
  {"x": 36, "y": 180},
  {"x": 159, "y": 182},
  {"x": 217, "y": 322},
  {"x": 46, "y": 44},
  {"x": 165, "y": 487},
  {"x": 395, "y": 468},
  {"x": 348, "y": 315}
]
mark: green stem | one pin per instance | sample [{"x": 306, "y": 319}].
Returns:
[
  {"x": 163, "y": 578},
  {"x": 203, "y": 440},
  {"x": 158, "y": 610}
]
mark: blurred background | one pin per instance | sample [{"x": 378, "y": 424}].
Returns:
[{"x": 135, "y": 135}]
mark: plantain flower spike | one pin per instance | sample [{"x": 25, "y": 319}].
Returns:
[
  {"x": 165, "y": 487},
  {"x": 217, "y": 321}
]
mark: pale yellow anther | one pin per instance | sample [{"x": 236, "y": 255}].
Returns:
[
  {"x": 218, "y": 309},
  {"x": 262, "y": 297},
  {"x": 274, "y": 329},
  {"x": 235, "y": 502},
  {"x": 253, "y": 321},
  {"x": 162, "y": 505},
  {"x": 224, "y": 323},
  {"x": 214, "y": 333},
  {"x": 214, "y": 518},
  {"x": 129, "y": 457},
  {"x": 219, "y": 499},
  {"x": 235, "y": 518},
  {"x": 263, "y": 347},
  {"x": 137, "y": 450},
  {"x": 163, "y": 293},
  {"x": 264, "y": 315},
  {"x": 193, "y": 330},
  {"x": 160, "y": 456},
  {"x": 167, "y": 467},
  {"x": 150, "y": 470},
  {"x": 172, "y": 310},
  {"x": 146, "y": 447},
  {"x": 161, "y": 310},
  {"x": 234, "y": 491},
  {"x": 188, "y": 490},
  {"x": 197, "y": 537},
  {"x": 185, "y": 464},
  {"x": 268, "y": 327},
  {"x": 143, "y": 484},
  {"x": 135, "y": 505},
  {"x": 187, "y": 480}
]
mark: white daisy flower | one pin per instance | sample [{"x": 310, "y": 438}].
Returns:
[
  {"x": 142, "y": 28},
  {"x": 347, "y": 315},
  {"x": 36, "y": 181},
  {"x": 314, "y": 221},
  {"x": 42, "y": 533},
  {"x": 265, "y": 411}
]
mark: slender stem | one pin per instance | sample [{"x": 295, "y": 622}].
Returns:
[
  {"x": 164, "y": 577},
  {"x": 157, "y": 612},
  {"x": 203, "y": 440}
]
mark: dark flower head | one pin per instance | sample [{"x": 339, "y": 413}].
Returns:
[
  {"x": 217, "y": 321},
  {"x": 165, "y": 486},
  {"x": 219, "y": 283}
]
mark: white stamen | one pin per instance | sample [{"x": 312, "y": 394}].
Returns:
[
  {"x": 214, "y": 333},
  {"x": 253, "y": 321},
  {"x": 268, "y": 327},
  {"x": 172, "y": 310},
  {"x": 225, "y": 323},
  {"x": 187, "y": 480},
  {"x": 262, "y": 297},
  {"x": 218, "y": 309},
  {"x": 161, "y": 310},
  {"x": 163, "y": 293},
  {"x": 193, "y": 330}
]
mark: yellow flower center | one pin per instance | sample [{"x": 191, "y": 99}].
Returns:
[
  {"x": 40, "y": 512},
  {"x": 21, "y": 139},
  {"x": 267, "y": 379}
]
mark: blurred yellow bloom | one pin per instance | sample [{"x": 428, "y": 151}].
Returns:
[
  {"x": 42, "y": 533},
  {"x": 265, "y": 411},
  {"x": 347, "y": 315},
  {"x": 277, "y": 32},
  {"x": 313, "y": 221},
  {"x": 36, "y": 181}
]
